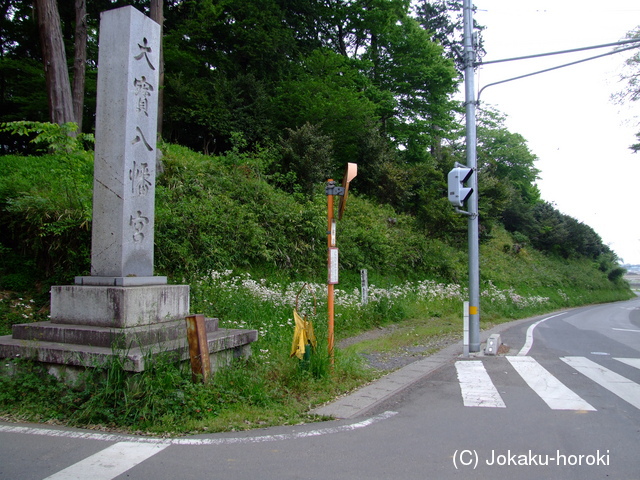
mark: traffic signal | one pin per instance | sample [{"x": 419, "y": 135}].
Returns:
[{"x": 458, "y": 193}]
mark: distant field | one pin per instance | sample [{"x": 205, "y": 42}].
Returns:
[{"x": 633, "y": 279}]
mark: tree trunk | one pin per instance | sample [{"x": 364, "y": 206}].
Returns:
[
  {"x": 156, "y": 12},
  {"x": 79, "y": 62},
  {"x": 55, "y": 62}
]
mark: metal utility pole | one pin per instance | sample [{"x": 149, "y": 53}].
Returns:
[
  {"x": 472, "y": 205},
  {"x": 459, "y": 193}
]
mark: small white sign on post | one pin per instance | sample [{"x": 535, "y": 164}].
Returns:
[
  {"x": 333, "y": 266},
  {"x": 364, "y": 283}
]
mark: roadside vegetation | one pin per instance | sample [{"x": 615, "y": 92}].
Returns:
[
  {"x": 262, "y": 103},
  {"x": 246, "y": 248}
]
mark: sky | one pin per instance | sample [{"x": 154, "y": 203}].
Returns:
[{"x": 580, "y": 136}]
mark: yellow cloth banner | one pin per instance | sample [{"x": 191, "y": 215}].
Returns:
[{"x": 302, "y": 336}]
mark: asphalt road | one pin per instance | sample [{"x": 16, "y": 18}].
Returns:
[{"x": 563, "y": 403}]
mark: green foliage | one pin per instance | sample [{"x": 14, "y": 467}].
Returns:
[
  {"x": 369, "y": 77},
  {"x": 444, "y": 21},
  {"x": 307, "y": 159},
  {"x": 616, "y": 274},
  {"x": 145, "y": 400},
  {"x": 273, "y": 389},
  {"x": 28, "y": 391},
  {"x": 420, "y": 78},
  {"x": 360, "y": 82},
  {"x": 223, "y": 212},
  {"x": 19, "y": 307},
  {"x": 50, "y": 137},
  {"x": 45, "y": 210},
  {"x": 506, "y": 174},
  {"x": 376, "y": 237},
  {"x": 562, "y": 235},
  {"x": 330, "y": 91},
  {"x": 269, "y": 388},
  {"x": 220, "y": 213},
  {"x": 213, "y": 215},
  {"x": 283, "y": 94}
]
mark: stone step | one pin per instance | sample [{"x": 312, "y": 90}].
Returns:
[
  {"x": 224, "y": 344},
  {"x": 106, "y": 336}
]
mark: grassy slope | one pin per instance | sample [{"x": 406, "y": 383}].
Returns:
[{"x": 219, "y": 213}]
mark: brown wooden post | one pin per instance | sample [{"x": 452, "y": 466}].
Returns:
[
  {"x": 198, "y": 347},
  {"x": 331, "y": 243}
]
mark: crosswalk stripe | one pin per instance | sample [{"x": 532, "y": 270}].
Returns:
[
  {"x": 549, "y": 388},
  {"x": 476, "y": 386},
  {"x": 110, "y": 462},
  {"x": 621, "y": 386},
  {"x": 633, "y": 362}
]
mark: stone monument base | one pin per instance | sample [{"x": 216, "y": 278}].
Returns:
[
  {"x": 93, "y": 325},
  {"x": 122, "y": 307}
]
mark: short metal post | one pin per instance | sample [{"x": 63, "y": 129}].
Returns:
[{"x": 465, "y": 329}]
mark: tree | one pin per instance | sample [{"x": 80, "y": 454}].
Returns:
[
  {"x": 506, "y": 156},
  {"x": 631, "y": 76},
  {"x": 328, "y": 90},
  {"x": 223, "y": 62},
  {"x": 307, "y": 156},
  {"x": 443, "y": 19},
  {"x": 80, "y": 60},
  {"x": 156, "y": 12},
  {"x": 54, "y": 60},
  {"x": 30, "y": 36},
  {"x": 410, "y": 78}
]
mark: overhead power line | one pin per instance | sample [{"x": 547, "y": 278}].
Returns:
[
  {"x": 635, "y": 43},
  {"x": 581, "y": 49}
]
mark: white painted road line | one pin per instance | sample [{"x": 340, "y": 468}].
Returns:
[
  {"x": 529, "y": 338},
  {"x": 549, "y": 388},
  {"x": 224, "y": 440},
  {"x": 110, "y": 462},
  {"x": 623, "y": 387},
  {"x": 633, "y": 362},
  {"x": 476, "y": 385}
]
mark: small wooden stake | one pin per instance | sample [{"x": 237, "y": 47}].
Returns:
[{"x": 198, "y": 347}]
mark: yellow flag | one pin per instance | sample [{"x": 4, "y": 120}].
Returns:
[{"x": 302, "y": 336}]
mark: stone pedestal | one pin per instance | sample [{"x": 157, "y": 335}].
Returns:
[
  {"x": 120, "y": 307},
  {"x": 71, "y": 348},
  {"x": 93, "y": 325}
]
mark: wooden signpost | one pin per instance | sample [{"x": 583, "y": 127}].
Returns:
[{"x": 332, "y": 255}]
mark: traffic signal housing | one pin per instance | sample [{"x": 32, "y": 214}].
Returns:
[{"x": 458, "y": 193}]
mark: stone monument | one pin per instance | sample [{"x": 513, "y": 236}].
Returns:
[{"x": 121, "y": 308}]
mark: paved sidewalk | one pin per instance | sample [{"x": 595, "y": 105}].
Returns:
[{"x": 366, "y": 398}]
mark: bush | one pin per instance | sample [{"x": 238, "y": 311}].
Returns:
[{"x": 45, "y": 210}]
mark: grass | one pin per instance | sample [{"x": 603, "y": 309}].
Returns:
[
  {"x": 270, "y": 388},
  {"x": 19, "y": 308},
  {"x": 215, "y": 213}
]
